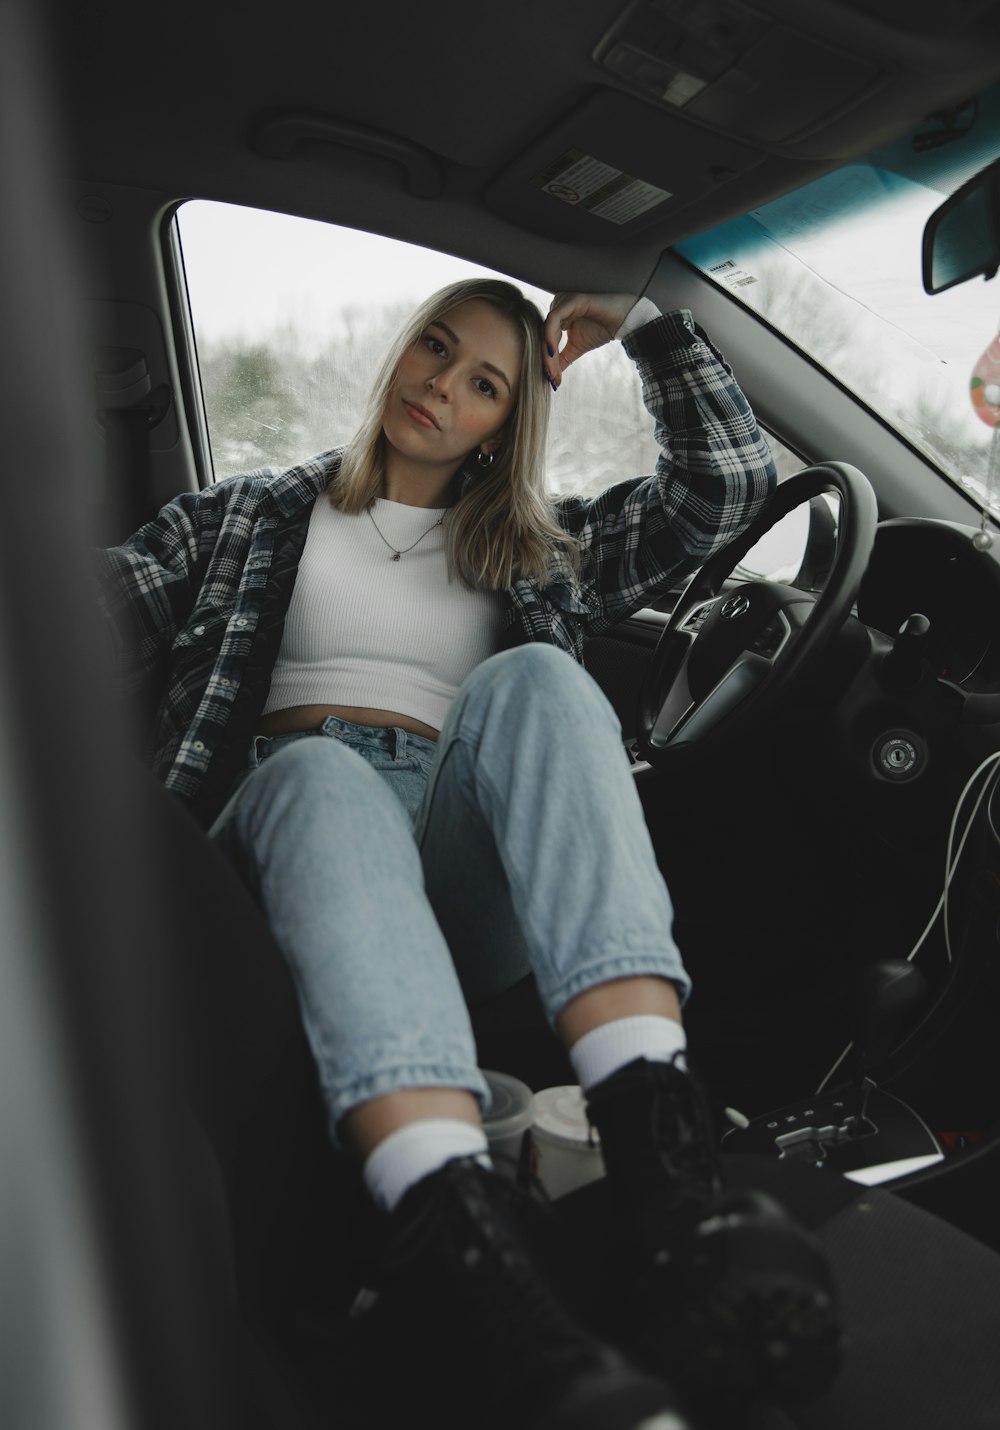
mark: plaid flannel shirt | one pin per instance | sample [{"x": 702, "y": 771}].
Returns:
[{"x": 197, "y": 597}]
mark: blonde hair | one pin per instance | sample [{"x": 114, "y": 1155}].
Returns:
[{"x": 503, "y": 523}]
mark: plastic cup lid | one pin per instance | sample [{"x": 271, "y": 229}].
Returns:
[
  {"x": 512, "y": 1104},
  {"x": 561, "y": 1116}
]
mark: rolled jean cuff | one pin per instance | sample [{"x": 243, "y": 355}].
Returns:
[
  {"x": 345, "y": 1097},
  {"x": 604, "y": 968}
]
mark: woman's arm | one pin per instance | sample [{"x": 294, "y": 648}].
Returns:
[
  {"x": 714, "y": 472},
  {"x": 148, "y": 584}
]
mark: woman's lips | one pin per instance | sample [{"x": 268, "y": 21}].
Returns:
[{"x": 419, "y": 414}]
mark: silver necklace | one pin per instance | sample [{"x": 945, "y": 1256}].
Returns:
[{"x": 397, "y": 554}]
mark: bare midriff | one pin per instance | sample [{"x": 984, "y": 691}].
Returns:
[{"x": 309, "y": 717}]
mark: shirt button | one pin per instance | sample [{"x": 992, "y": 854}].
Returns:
[
  {"x": 199, "y": 630},
  {"x": 225, "y": 680},
  {"x": 242, "y": 621},
  {"x": 199, "y": 746}
]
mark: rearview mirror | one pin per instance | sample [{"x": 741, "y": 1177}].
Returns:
[{"x": 962, "y": 237}]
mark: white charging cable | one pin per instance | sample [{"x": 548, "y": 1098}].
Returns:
[
  {"x": 989, "y": 817},
  {"x": 989, "y": 765},
  {"x": 951, "y": 864}
]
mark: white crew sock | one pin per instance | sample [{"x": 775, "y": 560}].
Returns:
[
  {"x": 604, "y": 1050},
  {"x": 414, "y": 1151}
]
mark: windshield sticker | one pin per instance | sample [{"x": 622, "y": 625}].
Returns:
[
  {"x": 588, "y": 183},
  {"x": 731, "y": 274}
]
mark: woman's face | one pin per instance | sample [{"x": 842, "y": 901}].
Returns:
[{"x": 456, "y": 387}]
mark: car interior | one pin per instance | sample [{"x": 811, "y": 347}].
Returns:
[{"x": 812, "y": 719}]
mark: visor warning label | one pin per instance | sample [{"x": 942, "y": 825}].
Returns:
[{"x": 588, "y": 183}]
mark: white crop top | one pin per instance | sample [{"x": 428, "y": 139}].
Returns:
[{"x": 363, "y": 629}]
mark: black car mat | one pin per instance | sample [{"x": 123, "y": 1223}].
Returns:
[{"x": 920, "y": 1302}]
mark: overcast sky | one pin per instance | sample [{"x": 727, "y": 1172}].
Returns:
[{"x": 249, "y": 272}]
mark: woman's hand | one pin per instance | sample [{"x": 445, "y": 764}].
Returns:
[{"x": 589, "y": 320}]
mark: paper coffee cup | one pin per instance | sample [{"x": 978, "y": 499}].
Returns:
[{"x": 566, "y": 1148}]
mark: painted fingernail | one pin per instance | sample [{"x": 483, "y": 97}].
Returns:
[
  {"x": 551, "y": 350},
  {"x": 554, "y": 387}
]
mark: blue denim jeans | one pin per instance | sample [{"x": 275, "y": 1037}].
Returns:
[{"x": 404, "y": 878}]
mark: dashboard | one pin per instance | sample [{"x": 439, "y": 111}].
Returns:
[{"x": 932, "y": 568}]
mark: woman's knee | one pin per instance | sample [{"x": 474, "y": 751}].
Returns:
[{"x": 541, "y": 678}]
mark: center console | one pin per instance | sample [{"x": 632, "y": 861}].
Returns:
[
  {"x": 870, "y": 1139},
  {"x": 860, "y": 1131}
]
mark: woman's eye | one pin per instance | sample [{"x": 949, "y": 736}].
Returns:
[
  {"x": 435, "y": 345},
  {"x": 486, "y": 387}
]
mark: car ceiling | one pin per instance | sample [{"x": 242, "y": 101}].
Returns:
[{"x": 434, "y": 123}]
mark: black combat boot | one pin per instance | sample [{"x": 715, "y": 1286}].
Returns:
[
  {"x": 716, "y": 1287},
  {"x": 465, "y": 1331}
]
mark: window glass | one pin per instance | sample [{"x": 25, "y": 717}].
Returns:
[{"x": 291, "y": 318}]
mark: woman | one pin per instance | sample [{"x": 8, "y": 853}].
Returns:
[{"x": 436, "y": 801}]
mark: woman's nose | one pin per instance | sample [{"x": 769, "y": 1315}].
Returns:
[{"x": 440, "y": 384}]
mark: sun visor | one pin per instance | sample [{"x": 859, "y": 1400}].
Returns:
[{"x": 612, "y": 167}]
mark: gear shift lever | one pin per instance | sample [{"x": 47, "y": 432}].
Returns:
[
  {"x": 901, "y": 668},
  {"x": 889, "y": 993}
]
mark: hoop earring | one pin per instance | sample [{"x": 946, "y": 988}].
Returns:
[{"x": 485, "y": 459}]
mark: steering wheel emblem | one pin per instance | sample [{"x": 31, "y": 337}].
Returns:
[{"x": 736, "y": 606}]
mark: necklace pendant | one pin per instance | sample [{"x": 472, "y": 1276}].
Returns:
[{"x": 396, "y": 555}]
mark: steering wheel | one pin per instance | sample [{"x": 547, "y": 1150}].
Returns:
[{"x": 723, "y": 659}]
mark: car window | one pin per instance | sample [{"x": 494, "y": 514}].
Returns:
[{"x": 291, "y": 317}]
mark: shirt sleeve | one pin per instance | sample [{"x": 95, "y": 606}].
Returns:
[
  {"x": 642, "y": 311},
  {"x": 713, "y": 475},
  {"x": 148, "y": 585}
]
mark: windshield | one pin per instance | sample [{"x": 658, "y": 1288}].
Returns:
[{"x": 836, "y": 268}]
